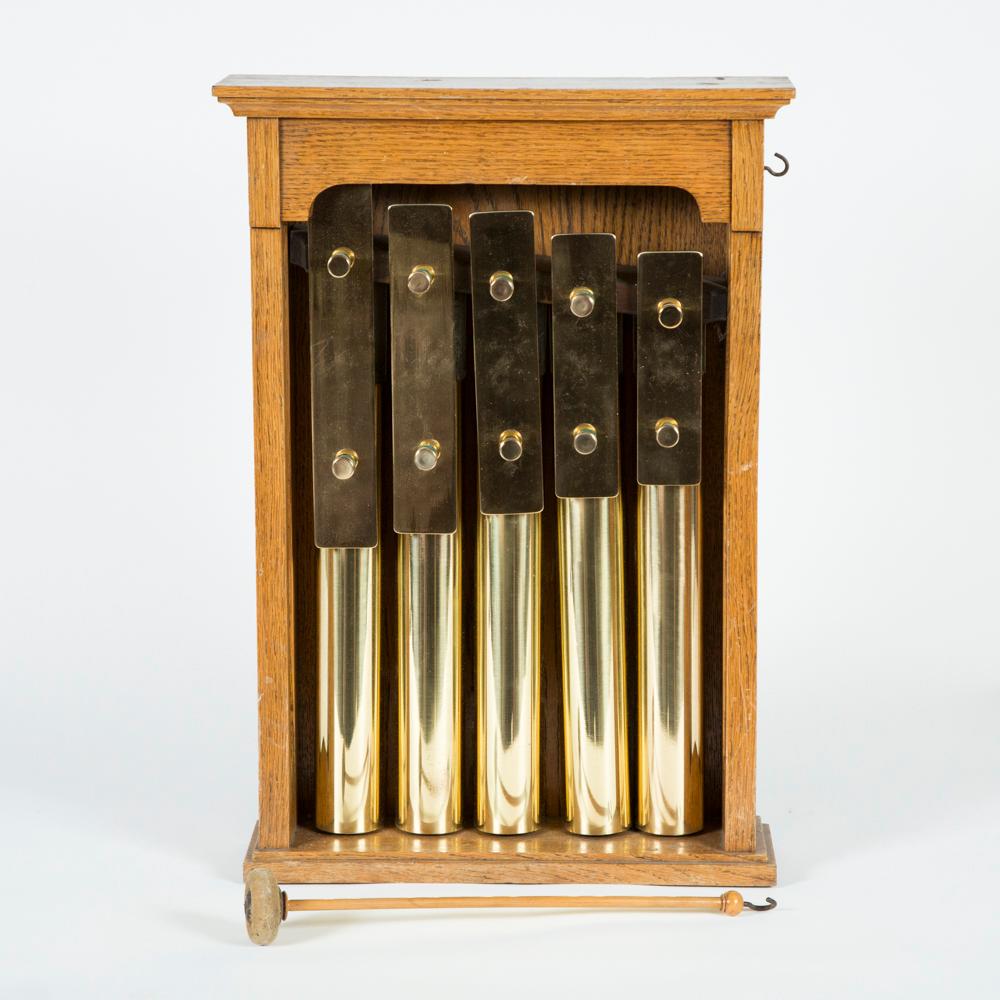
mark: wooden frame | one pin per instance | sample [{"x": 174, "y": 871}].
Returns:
[{"x": 702, "y": 136}]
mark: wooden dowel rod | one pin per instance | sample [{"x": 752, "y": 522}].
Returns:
[{"x": 730, "y": 903}]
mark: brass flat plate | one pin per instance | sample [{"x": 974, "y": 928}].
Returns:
[
  {"x": 422, "y": 365},
  {"x": 342, "y": 346},
  {"x": 505, "y": 345},
  {"x": 669, "y": 366},
  {"x": 585, "y": 364}
]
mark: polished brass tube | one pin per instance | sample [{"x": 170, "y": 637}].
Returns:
[
  {"x": 669, "y": 757},
  {"x": 347, "y": 698},
  {"x": 508, "y": 672},
  {"x": 593, "y": 659},
  {"x": 429, "y": 580}
]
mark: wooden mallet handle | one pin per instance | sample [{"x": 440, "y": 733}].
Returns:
[{"x": 730, "y": 903}]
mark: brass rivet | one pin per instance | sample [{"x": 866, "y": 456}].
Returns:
[
  {"x": 670, "y": 313},
  {"x": 420, "y": 280},
  {"x": 427, "y": 455},
  {"x": 585, "y": 439},
  {"x": 581, "y": 302},
  {"x": 511, "y": 445},
  {"x": 340, "y": 263},
  {"x": 667, "y": 432},
  {"x": 344, "y": 464},
  {"x": 502, "y": 286}
]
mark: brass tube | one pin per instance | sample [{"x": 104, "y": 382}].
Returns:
[
  {"x": 429, "y": 683},
  {"x": 669, "y": 757},
  {"x": 347, "y": 699},
  {"x": 508, "y": 672},
  {"x": 593, "y": 659}
]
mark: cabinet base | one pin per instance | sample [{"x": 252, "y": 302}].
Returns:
[{"x": 549, "y": 856}]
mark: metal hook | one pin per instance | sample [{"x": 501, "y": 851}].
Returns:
[
  {"x": 778, "y": 173},
  {"x": 770, "y": 904}
]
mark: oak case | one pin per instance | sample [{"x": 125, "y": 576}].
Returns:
[{"x": 664, "y": 164}]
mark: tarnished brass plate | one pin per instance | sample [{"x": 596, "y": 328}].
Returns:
[
  {"x": 670, "y": 355},
  {"x": 505, "y": 344},
  {"x": 585, "y": 365},
  {"x": 422, "y": 363},
  {"x": 342, "y": 342}
]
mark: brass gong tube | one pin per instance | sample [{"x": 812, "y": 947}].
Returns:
[
  {"x": 429, "y": 656},
  {"x": 670, "y": 783},
  {"x": 593, "y": 662},
  {"x": 508, "y": 672},
  {"x": 347, "y": 702}
]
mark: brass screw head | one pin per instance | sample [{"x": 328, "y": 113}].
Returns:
[
  {"x": 667, "y": 432},
  {"x": 427, "y": 455},
  {"x": 581, "y": 302},
  {"x": 670, "y": 313},
  {"x": 420, "y": 279},
  {"x": 340, "y": 263},
  {"x": 511, "y": 445},
  {"x": 345, "y": 463},
  {"x": 585, "y": 439},
  {"x": 502, "y": 286}
]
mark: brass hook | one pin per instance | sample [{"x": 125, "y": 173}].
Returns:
[
  {"x": 778, "y": 173},
  {"x": 770, "y": 904}
]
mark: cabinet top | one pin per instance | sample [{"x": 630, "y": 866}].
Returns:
[{"x": 483, "y": 98}]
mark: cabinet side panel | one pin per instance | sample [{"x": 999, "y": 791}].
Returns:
[
  {"x": 739, "y": 547},
  {"x": 272, "y": 477}
]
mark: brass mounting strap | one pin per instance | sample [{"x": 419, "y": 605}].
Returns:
[
  {"x": 585, "y": 365},
  {"x": 505, "y": 344},
  {"x": 423, "y": 371},
  {"x": 670, "y": 360},
  {"x": 342, "y": 356}
]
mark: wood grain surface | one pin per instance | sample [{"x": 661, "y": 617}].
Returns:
[
  {"x": 726, "y": 903},
  {"x": 685, "y": 168},
  {"x": 694, "y": 156},
  {"x": 747, "y": 207},
  {"x": 263, "y": 172},
  {"x": 275, "y": 566},
  {"x": 549, "y": 856},
  {"x": 371, "y": 98},
  {"x": 739, "y": 543}
]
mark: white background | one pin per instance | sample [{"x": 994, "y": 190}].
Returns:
[{"x": 127, "y": 716}]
